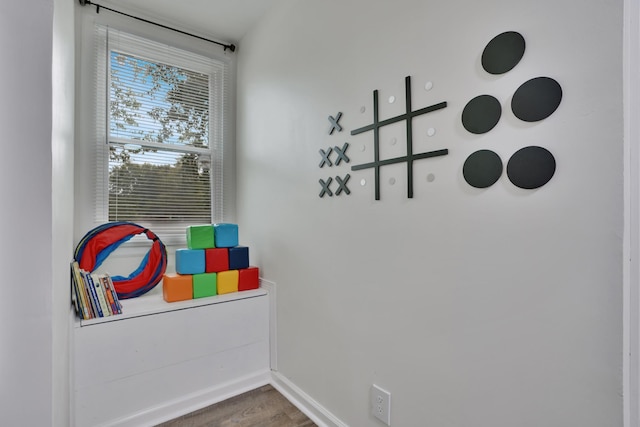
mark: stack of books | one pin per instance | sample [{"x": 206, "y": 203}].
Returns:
[{"x": 93, "y": 294}]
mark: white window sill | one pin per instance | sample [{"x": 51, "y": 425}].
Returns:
[{"x": 153, "y": 303}]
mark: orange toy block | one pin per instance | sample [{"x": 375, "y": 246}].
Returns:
[
  {"x": 177, "y": 287},
  {"x": 227, "y": 282},
  {"x": 248, "y": 278}
]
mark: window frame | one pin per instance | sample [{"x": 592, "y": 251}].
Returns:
[{"x": 91, "y": 202}]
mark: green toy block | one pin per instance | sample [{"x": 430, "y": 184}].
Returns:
[
  {"x": 200, "y": 237},
  {"x": 204, "y": 285}
]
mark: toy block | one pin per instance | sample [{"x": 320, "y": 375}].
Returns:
[
  {"x": 248, "y": 278},
  {"x": 227, "y": 282},
  {"x": 216, "y": 260},
  {"x": 204, "y": 285},
  {"x": 226, "y": 235},
  {"x": 177, "y": 287},
  {"x": 200, "y": 237},
  {"x": 190, "y": 261},
  {"x": 238, "y": 258}
]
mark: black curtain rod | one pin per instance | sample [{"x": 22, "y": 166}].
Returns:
[{"x": 226, "y": 46}]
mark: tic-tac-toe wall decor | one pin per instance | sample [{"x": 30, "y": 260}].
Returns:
[
  {"x": 341, "y": 156},
  {"x": 334, "y": 123},
  {"x": 535, "y": 100},
  {"x": 325, "y": 157},
  {"x": 481, "y": 114},
  {"x": 342, "y": 184},
  {"x": 410, "y": 157},
  {"x": 325, "y": 187},
  {"x": 342, "y": 153},
  {"x": 503, "y": 52},
  {"x": 531, "y": 167},
  {"x": 482, "y": 169},
  {"x": 528, "y": 168}
]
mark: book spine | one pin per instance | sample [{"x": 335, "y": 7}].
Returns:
[
  {"x": 116, "y": 302},
  {"x": 83, "y": 278},
  {"x": 94, "y": 296},
  {"x": 116, "y": 299},
  {"x": 87, "y": 295},
  {"x": 105, "y": 290},
  {"x": 75, "y": 295},
  {"x": 87, "y": 288},
  {"x": 107, "y": 294},
  {"x": 100, "y": 293},
  {"x": 82, "y": 290}
]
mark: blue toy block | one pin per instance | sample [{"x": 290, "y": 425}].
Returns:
[
  {"x": 226, "y": 235},
  {"x": 190, "y": 261},
  {"x": 238, "y": 258}
]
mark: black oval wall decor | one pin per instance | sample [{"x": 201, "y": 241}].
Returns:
[
  {"x": 482, "y": 169},
  {"x": 503, "y": 52},
  {"x": 536, "y": 99},
  {"x": 531, "y": 167},
  {"x": 481, "y": 114}
]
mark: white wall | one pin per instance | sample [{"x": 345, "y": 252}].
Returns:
[
  {"x": 631, "y": 347},
  {"x": 62, "y": 142},
  {"x": 26, "y": 213},
  {"x": 487, "y": 307}
]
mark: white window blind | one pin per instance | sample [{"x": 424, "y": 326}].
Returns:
[{"x": 160, "y": 134}]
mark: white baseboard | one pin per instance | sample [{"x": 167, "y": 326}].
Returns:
[
  {"x": 193, "y": 402},
  {"x": 190, "y": 403},
  {"x": 311, "y": 408}
]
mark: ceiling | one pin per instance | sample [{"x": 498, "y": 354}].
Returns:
[{"x": 222, "y": 20}]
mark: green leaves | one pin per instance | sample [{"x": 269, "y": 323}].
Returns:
[{"x": 156, "y": 102}]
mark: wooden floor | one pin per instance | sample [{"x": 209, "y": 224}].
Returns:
[{"x": 262, "y": 407}]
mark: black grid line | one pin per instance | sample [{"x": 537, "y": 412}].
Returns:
[{"x": 410, "y": 157}]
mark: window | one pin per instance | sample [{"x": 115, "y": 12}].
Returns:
[{"x": 159, "y": 135}]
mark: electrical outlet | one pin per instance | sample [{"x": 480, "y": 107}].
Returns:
[{"x": 381, "y": 404}]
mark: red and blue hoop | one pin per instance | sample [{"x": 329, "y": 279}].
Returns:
[{"x": 98, "y": 243}]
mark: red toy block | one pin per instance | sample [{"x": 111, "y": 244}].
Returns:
[
  {"x": 249, "y": 278},
  {"x": 177, "y": 287},
  {"x": 216, "y": 260}
]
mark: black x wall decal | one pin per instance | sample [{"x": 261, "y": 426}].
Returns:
[
  {"x": 410, "y": 156},
  {"x": 325, "y": 187},
  {"x": 342, "y": 186},
  {"x": 342, "y": 153},
  {"x": 334, "y": 123},
  {"x": 325, "y": 157}
]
